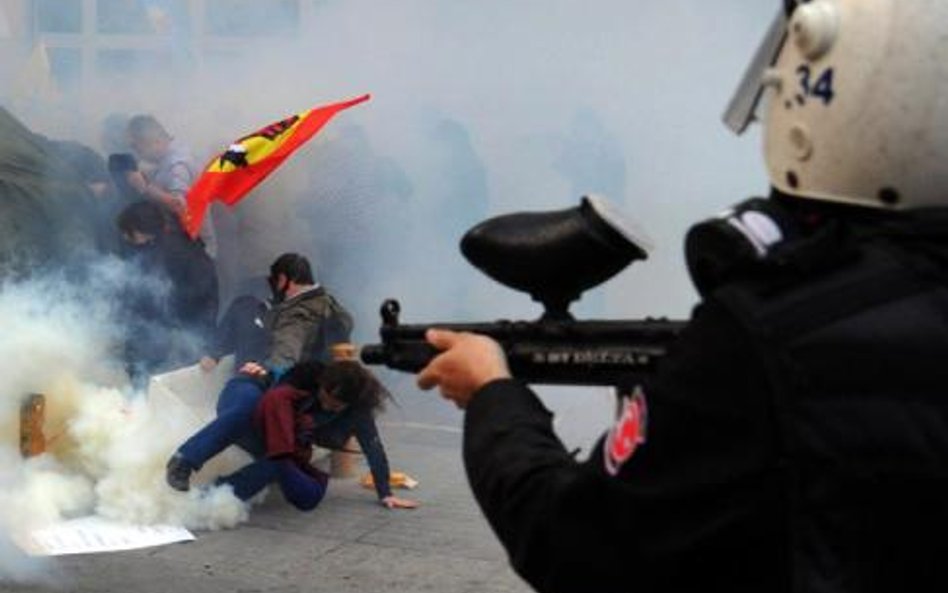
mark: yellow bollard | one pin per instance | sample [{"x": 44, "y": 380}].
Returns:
[
  {"x": 32, "y": 416},
  {"x": 343, "y": 463}
]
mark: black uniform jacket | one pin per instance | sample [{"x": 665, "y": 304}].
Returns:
[{"x": 797, "y": 440}]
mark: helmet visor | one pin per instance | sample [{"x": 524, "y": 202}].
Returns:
[{"x": 742, "y": 109}]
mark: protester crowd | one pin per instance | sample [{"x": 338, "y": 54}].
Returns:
[
  {"x": 287, "y": 394},
  {"x": 169, "y": 311}
]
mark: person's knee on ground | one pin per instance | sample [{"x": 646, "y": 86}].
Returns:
[
  {"x": 251, "y": 479},
  {"x": 303, "y": 490}
]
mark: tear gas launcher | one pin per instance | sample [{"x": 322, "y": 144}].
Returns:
[{"x": 554, "y": 256}]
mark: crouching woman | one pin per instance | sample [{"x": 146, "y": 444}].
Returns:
[{"x": 315, "y": 405}]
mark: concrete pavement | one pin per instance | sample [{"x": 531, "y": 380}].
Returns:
[{"x": 349, "y": 544}]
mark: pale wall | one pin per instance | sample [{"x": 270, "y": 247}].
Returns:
[{"x": 14, "y": 43}]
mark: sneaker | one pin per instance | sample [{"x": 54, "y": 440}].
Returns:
[{"x": 178, "y": 473}]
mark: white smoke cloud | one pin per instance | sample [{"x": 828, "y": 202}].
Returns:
[
  {"x": 479, "y": 108},
  {"x": 549, "y": 99},
  {"x": 105, "y": 446}
]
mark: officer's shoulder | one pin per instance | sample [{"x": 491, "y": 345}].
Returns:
[{"x": 786, "y": 293}]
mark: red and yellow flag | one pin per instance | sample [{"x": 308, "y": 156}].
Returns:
[{"x": 249, "y": 160}]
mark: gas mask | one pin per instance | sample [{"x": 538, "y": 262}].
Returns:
[{"x": 278, "y": 295}]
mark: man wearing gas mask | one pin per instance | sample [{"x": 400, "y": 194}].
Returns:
[
  {"x": 301, "y": 324},
  {"x": 304, "y": 319},
  {"x": 796, "y": 436}
]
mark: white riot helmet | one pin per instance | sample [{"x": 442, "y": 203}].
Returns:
[{"x": 857, "y": 106}]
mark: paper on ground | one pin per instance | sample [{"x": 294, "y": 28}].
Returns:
[
  {"x": 396, "y": 480},
  {"x": 187, "y": 395},
  {"x": 89, "y": 535}
]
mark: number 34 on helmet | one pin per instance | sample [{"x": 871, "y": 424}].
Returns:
[{"x": 853, "y": 96}]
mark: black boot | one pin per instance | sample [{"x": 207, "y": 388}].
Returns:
[{"x": 178, "y": 473}]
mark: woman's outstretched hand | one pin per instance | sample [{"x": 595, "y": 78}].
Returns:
[{"x": 394, "y": 502}]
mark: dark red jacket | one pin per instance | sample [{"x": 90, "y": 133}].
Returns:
[
  {"x": 282, "y": 419},
  {"x": 291, "y": 421}
]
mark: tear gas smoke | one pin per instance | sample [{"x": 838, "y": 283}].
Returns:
[
  {"x": 106, "y": 447},
  {"x": 479, "y": 108}
]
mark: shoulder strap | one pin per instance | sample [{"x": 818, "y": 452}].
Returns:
[
  {"x": 340, "y": 317},
  {"x": 334, "y": 327}
]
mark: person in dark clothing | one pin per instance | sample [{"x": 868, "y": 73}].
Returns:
[
  {"x": 300, "y": 322},
  {"x": 240, "y": 332},
  {"x": 107, "y": 203},
  {"x": 76, "y": 162},
  {"x": 173, "y": 309},
  {"x": 794, "y": 439},
  {"x": 119, "y": 166},
  {"x": 84, "y": 162}
]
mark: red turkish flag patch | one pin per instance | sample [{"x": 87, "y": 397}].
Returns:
[{"x": 627, "y": 434}]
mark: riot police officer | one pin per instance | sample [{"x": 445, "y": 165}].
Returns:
[{"x": 796, "y": 436}]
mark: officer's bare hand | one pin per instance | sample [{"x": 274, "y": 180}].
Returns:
[
  {"x": 253, "y": 369},
  {"x": 394, "y": 502},
  {"x": 467, "y": 363}
]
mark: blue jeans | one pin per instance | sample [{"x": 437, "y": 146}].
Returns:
[
  {"x": 234, "y": 426},
  {"x": 301, "y": 489}
]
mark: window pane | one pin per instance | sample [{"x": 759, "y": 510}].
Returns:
[
  {"x": 65, "y": 65},
  {"x": 251, "y": 17},
  {"x": 125, "y": 62},
  {"x": 142, "y": 17},
  {"x": 58, "y": 16}
]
